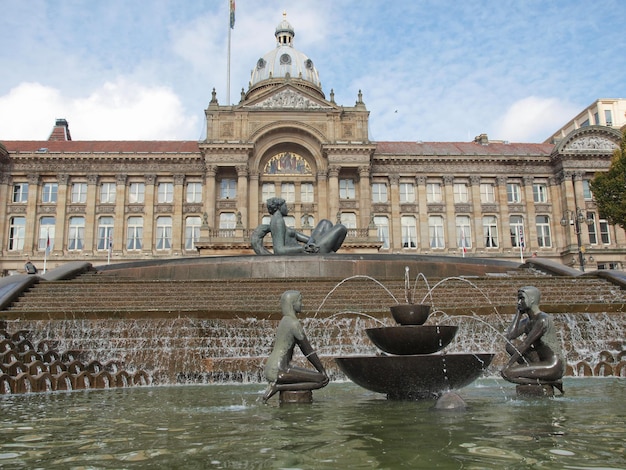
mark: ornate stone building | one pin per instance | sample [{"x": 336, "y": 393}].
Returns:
[{"x": 109, "y": 201}]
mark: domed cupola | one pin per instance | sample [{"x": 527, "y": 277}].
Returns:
[{"x": 284, "y": 63}]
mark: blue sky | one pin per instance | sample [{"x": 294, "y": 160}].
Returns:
[{"x": 432, "y": 70}]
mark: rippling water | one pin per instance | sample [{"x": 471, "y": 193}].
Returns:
[{"x": 227, "y": 426}]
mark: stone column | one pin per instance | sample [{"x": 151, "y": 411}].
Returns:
[
  {"x": 558, "y": 238},
  {"x": 422, "y": 213},
  {"x": 530, "y": 229},
  {"x": 178, "y": 225},
  {"x": 242, "y": 192},
  {"x": 333, "y": 192},
  {"x": 365, "y": 197},
  {"x": 322, "y": 192},
  {"x": 60, "y": 237},
  {"x": 119, "y": 239},
  {"x": 478, "y": 240},
  {"x": 90, "y": 214},
  {"x": 448, "y": 187},
  {"x": 31, "y": 214},
  {"x": 395, "y": 222},
  {"x": 6, "y": 195},
  {"x": 579, "y": 200},
  {"x": 211, "y": 195},
  {"x": 253, "y": 209},
  {"x": 504, "y": 231},
  {"x": 148, "y": 222}
]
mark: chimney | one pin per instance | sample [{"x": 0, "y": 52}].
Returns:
[
  {"x": 61, "y": 131},
  {"x": 482, "y": 139}
]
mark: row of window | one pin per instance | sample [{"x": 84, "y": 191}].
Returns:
[
  {"x": 408, "y": 223},
  {"x": 228, "y": 190},
  {"x": 107, "y": 193},
  {"x": 104, "y": 241},
  {"x": 463, "y": 227}
]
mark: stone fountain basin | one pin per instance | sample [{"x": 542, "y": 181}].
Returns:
[
  {"x": 414, "y": 377},
  {"x": 407, "y": 340}
]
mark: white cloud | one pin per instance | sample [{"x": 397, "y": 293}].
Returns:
[
  {"x": 533, "y": 119},
  {"x": 119, "y": 110}
]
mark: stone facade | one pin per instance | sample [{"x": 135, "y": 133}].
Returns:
[{"x": 111, "y": 201}]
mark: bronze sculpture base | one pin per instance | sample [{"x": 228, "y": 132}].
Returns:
[{"x": 295, "y": 396}]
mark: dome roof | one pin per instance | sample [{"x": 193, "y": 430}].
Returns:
[{"x": 285, "y": 61}]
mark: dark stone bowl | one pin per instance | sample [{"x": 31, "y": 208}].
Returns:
[
  {"x": 406, "y": 340},
  {"x": 410, "y": 314},
  {"x": 414, "y": 377}
]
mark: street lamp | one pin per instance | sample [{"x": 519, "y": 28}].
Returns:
[{"x": 577, "y": 218}]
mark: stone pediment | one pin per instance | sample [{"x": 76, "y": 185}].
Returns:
[
  {"x": 591, "y": 142},
  {"x": 288, "y": 98}
]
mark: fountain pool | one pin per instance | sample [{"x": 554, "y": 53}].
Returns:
[{"x": 227, "y": 426}]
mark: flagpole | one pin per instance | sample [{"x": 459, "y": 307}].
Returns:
[
  {"x": 45, "y": 253},
  {"x": 228, "y": 66},
  {"x": 520, "y": 237}
]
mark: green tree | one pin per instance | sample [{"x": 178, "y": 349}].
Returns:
[{"x": 609, "y": 189}]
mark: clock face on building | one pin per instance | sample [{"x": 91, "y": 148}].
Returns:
[{"x": 287, "y": 163}]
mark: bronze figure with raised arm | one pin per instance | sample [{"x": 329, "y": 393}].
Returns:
[
  {"x": 537, "y": 357},
  {"x": 279, "y": 372}
]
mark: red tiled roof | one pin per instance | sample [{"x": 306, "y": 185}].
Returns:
[
  {"x": 104, "y": 146},
  {"x": 461, "y": 148}
]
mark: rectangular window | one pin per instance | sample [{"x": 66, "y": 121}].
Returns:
[
  {"x": 20, "y": 192},
  {"x": 407, "y": 193},
  {"x": 608, "y": 117},
  {"x": 164, "y": 233},
  {"x": 228, "y": 188},
  {"x": 268, "y": 190},
  {"x": 348, "y": 219},
  {"x": 105, "y": 233},
  {"x": 540, "y": 193},
  {"x": 306, "y": 192},
  {"x": 409, "y": 231},
  {"x": 516, "y": 229},
  {"x": 288, "y": 192},
  {"x": 382, "y": 225},
  {"x": 513, "y": 193},
  {"x": 194, "y": 192},
  {"x": 490, "y": 231},
  {"x": 17, "y": 231},
  {"x": 433, "y": 192},
  {"x": 165, "y": 193},
  {"x": 76, "y": 234},
  {"x": 435, "y": 231},
  {"x": 136, "y": 193},
  {"x": 604, "y": 232},
  {"x": 49, "y": 193},
  {"x": 379, "y": 192},
  {"x": 591, "y": 229},
  {"x": 544, "y": 239},
  {"x": 464, "y": 232},
  {"x": 461, "y": 193},
  {"x": 134, "y": 233},
  {"x": 192, "y": 232},
  {"x": 487, "y": 193},
  {"x": 107, "y": 193},
  {"x": 79, "y": 193},
  {"x": 46, "y": 233},
  {"x": 596, "y": 118},
  {"x": 587, "y": 195},
  {"x": 228, "y": 220},
  {"x": 346, "y": 189}
]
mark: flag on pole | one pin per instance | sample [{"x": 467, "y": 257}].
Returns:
[
  {"x": 522, "y": 245},
  {"x": 463, "y": 242},
  {"x": 232, "y": 14},
  {"x": 48, "y": 243}
]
